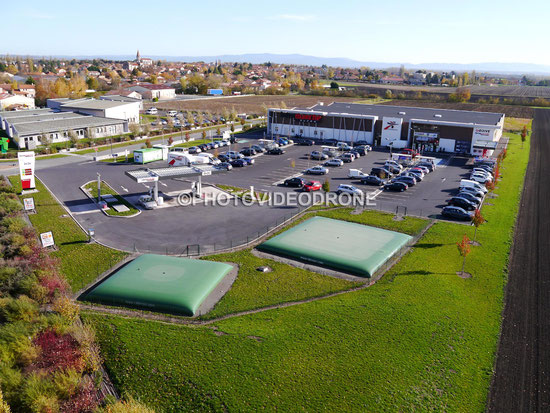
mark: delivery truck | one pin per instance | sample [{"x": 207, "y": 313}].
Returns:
[{"x": 147, "y": 155}]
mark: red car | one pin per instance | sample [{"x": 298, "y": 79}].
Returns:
[
  {"x": 312, "y": 186},
  {"x": 412, "y": 152}
]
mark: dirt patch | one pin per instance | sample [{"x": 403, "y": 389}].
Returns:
[
  {"x": 464, "y": 274},
  {"x": 522, "y": 371},
  {"x": 249, "y": 104},
  {"x": 256, "y": 338}
]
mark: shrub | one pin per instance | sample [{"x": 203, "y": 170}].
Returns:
[
  {"x": 66, "y": 382},
  {"x": 4, "y": 408},
  {"x": 66, "y": 308},
  {"x": 38, "y": 395},
  {"x": 53, "y": 283},
  {"x": 22, "y": 308},
  {"x": 85, "y": 336},
  {"x": 128, "y": 406},
  {"x": 25, "y": 352},
  {"x": 57, "y": 352},
  {"x": 84, "y": 400}
]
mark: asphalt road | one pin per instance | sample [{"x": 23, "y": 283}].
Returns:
[{"x": 521, "y": 382}]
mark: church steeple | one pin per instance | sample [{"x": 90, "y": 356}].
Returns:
[{"x": 138, "y": 56}]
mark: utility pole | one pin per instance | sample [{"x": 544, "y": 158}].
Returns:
[{"x": 98, "y": 187}]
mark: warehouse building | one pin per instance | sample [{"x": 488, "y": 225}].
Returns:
[
  {"x": 27, "y": 128},
  {"x": 108, "y": 108},
  {"x": 439, "y": 130}
]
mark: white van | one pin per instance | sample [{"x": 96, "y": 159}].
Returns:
[
  {"x": 356, "y": 173},
  {"x": 467, "y": 183},
  {"x": 172, "y": 113}
]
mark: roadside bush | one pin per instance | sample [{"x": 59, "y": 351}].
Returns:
[
  {"x": 22, "y": 308},
  {"x": 67, "y": 308}
]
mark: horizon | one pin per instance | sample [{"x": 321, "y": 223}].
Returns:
[{"x": 188, "y": 31}]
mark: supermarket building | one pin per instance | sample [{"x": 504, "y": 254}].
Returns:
[{"x": 440, "y": 130}]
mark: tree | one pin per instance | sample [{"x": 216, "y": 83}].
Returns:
[
  {"x": 148, "y": 143},
  {"x": 135, "y": 129},
  {"x": 242, "y": 121},
  {"x": 218, "y": 131},
  {"x": 187, "y": 136},
  {"x": 477, "y": 220},
  {"x": 388, "y": 94},
  {"x": 225, "y": 113},
  {"x": 464, "y": 249},
  {"x": 30, "y": 81},
  {"x": 170, "y": 141},
  {"x": 334, "y": 85},
  {"x": 73, "y": 138},
  {"x": 190, "y": 118},
  {"x": 45, "y": 140},
  {"x": 145, "y": 129},
  {"x": 200, "y": 118},
  {"x": 523, "y": 135},
  {"x": 326, "y": 185},
  {"x": 232, "y": 128},
  {"x": 203, "y": 134},
  {"x": 233, "y": 114}
]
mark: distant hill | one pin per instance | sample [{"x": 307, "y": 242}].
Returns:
[{"x": 299, "y": 59}]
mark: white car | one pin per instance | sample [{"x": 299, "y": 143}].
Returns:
[
  {"x": 317, "y": 170},
  {"x": 172, "y": 113},
  {"x": 147, "y": 202},
  {"x": 334, "y": 162},
  {"x": 480, "y": 178},
  {"x": 348, "y": 189},
  {"x": 152, "y": 111}
]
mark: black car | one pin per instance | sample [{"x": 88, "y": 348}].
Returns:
[
  {"x": 275, "y": 151},
  {"x": 204, "y": 147},
  {"x": 392, "y": 169},
  {"x": 475, "y": 197},
  {"x": 361, "y": 150},
  {"x": 371, "y": 180},
  {"x": 330, "y": 142},
  {"x": 396, "y": 186},
  {"x": 380, "y": 172},
  {"x": 223, "y": 158},
  {"x": 248, "y": 152},
  {"x": 238, "y": 163},
  {"x": 414, "y": 174},
  {"x": 295, "y": 182},
  {"x": 258, "y": 148},
  {"x": 456, "y": 213},
  {"x": 305, "y": 142},
  {"x": 354, "y": 153},
  {"x": 409, "y": 180},
  {"x": 360, "y": 143},
  {"x": 462, "y": 203},
  {"x": 428, "y": 165},
  {"x": 470, "y": 197}
]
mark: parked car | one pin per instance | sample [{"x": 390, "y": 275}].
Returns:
[
  {"x": 318, "y": 156},
  {"x": 347, "y": 157},
  {"x": 414, "y": 174},
  {"x": 248, "y": 160},
  {"x": 462, "y": 203},
  {"x": 331, "y": 153},
  {"x": 393, "y": 169},
  {"x": 224, "y": 165},
  {"x": 330, "y": 142},
  {"x": 478, "y": 194},
  {"x": 238, "y": 163},
  {"x": 172, "y": 113},
  {"x": 152, "y": 111},
  {"x": 203, "y": 147},
  {"x": 276, "y": 151},
  {"x": 470, "y": 197},
  {"x": 312, "y": 186},
  {"x": 305, "y": 142},
  {"x": 381, "y": 172},
  {"x": 429, "y": 165},
  {"x": 417, "y": 170},
  {"x": 371, "y": 180},
  {"x": 354, "y": 153},
  {"x": 361, "y": 150},
  {"x": 356, "y": 173},
  {"x": 456, "y": 212},
  {"x": 343, "y": 146},
  {"x": 258, "y": 148},
  {"x": 348, "y": 189},
  {"x": 360, "y": 143},
  {"x": 248, "y": 151},
  {"x": 234, "y": 155},
  {"x": 283, "y": 141},
  {"x": 424, "y": 169},
  {"x": 294, "y": 182},
  {"x": 409, "y": 180},
  {"x": 194, "y": 150},
  {"x": 396, "y": 186},
  {"x": 317, "y": 170},
  {"x": 334, "y": 162},
  {"x": 480, "y": 178}
]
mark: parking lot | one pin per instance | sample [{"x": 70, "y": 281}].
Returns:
[{"x": 172, "y": 228}]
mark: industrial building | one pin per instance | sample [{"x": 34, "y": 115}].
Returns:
[
  {"x": 113, "y": 108},
  {"x": 439, "y": 130},
  {"x": 27, "y": 128}
]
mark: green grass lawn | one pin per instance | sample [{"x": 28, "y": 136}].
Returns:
[
  {"x": 80, "y": 262},
  {"x": 106, "y": 189},
  {"x": 421, "y": 339}
]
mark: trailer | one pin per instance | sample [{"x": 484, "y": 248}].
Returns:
[{"x": 147, "y": 155}]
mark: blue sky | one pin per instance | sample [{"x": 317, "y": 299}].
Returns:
[{"x": 389, "y": 31}]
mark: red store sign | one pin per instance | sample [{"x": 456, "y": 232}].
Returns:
[{"x": 302, "y": 116}]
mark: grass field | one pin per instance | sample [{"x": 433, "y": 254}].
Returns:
[
  {"x": 516, "y": 124},
  {"x": 81, "y": 262},
  {"x": 421, "y": 339}
]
